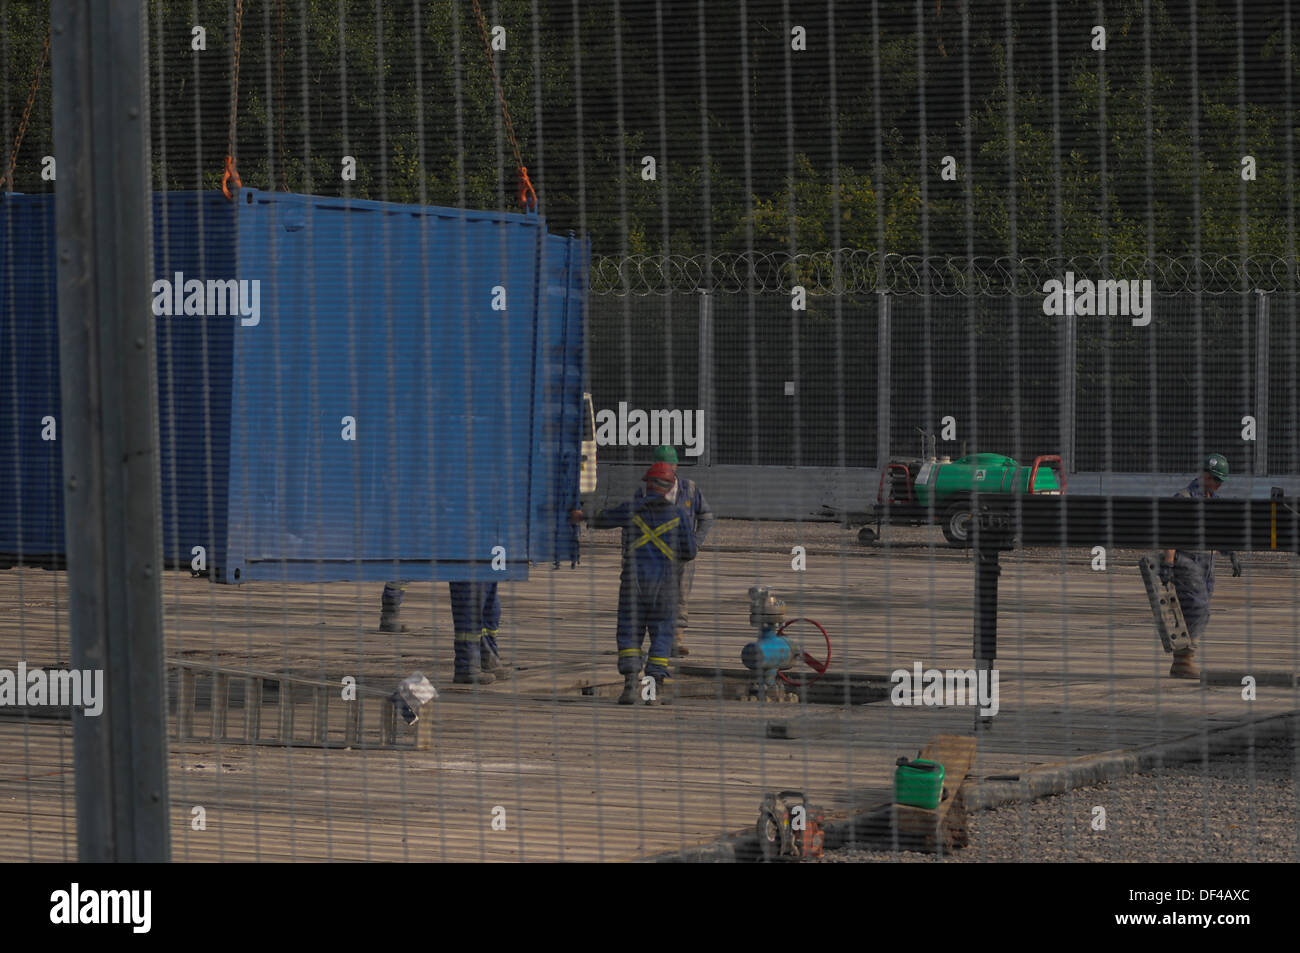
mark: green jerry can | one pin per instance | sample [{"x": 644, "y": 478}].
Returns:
[{"x": 918, "y": 783}]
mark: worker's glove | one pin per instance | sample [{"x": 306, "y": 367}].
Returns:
[
  {"x": 577, "y": 517},
  {"x": 1166, "y": 573},
  {"x": 1236, "y": 564}
]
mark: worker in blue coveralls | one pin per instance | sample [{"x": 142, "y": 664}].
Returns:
[
  {"x": 476, "y": 619},
  {"x": 657, "y": 536},
  {"x": 1192, "y": 573},
  {"x": 697, "y": 507}
]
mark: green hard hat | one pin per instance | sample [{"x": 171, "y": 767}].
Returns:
[
  {"x": 1216, "y": 465},
  {"x": 667, "y": 454}
]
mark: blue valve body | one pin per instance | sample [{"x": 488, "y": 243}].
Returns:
[{"x": 768, "y": 653}]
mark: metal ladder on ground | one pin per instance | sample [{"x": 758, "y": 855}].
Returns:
[{"x": 303, "y": 711}]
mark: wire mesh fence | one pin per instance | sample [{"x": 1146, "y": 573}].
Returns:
[
  {"x": 801, "y": 387},
  {"x": 933, "y": 307},
  {"x": 848, "y": 271}
]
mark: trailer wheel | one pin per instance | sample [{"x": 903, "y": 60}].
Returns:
[
  {"x": 957, "y": 524},
  {"x": 866, "y": 536},
  {"x": 769, "y": 835}
]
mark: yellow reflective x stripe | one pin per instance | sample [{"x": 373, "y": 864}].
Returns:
[
  {"x": 622, "y": 652},
  {"x": 661, "y": 661},
  {"x": 653, "y": 535}
]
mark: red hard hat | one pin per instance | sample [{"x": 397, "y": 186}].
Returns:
[{"x": 660, "y": 473}]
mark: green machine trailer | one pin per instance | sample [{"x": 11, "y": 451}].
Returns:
[{"x": 916, "y": 492}]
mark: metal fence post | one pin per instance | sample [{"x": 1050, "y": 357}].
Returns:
[
  {"x": 110, "y": 448},
  {"x": 1261, "y": 383},
  {"x": 884, "y": 354},
  {"x": 1069, "y": 378},
  {"x": 705, "y": 375}
]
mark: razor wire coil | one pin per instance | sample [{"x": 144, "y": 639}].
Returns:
[{"x": 850, "y": 271}]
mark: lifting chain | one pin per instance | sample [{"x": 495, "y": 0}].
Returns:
[
  {"x": 231, "y": 173},
  {"x": 7, "y": 183},
  {"x": 527, "y": 196}
]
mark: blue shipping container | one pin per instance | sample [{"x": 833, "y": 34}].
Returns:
[{"x": 347, "y": 389}]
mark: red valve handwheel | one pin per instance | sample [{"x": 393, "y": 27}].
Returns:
[{"x": 817, "y": 665}]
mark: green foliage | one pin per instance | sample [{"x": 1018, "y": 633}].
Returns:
[{"x": 756, "y": 146}]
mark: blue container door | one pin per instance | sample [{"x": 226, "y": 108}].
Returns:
[
  {"x": 382, "y": 410},
  {"x": 193, "y": 242},
  {"x": 31, "y": 492}
]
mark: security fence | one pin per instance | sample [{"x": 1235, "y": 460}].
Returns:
[
  {"x": 299, "y": 555},
  {"x": 853, "y": 366},
  {"x": 855, "y": 270}
]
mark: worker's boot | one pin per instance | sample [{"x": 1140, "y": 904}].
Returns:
[
  {"x": 469, "y": 663},
  {"x": 661, "y": 692},
  {"x": 679, "y": 647},
  {"x": 489, "y": 657},
  {"x": 1185, "y": 665},
  {"x": 390, "y": 606},
  {"x": 630, "y": 682}
]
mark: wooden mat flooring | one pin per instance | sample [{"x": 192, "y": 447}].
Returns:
[{"x": 535, "y": 770}]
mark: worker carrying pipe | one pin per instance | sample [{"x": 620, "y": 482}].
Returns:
[
  {"x": 1192, "y": 573},
  {"x": 657, "y": 537}
]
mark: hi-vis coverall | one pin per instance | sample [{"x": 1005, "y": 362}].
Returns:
[
  {"x": 657, "y": 536},
  {"x": 697, "y": 508}
]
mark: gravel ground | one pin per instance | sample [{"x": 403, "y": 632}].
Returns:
[{"x": 1186, "y": 814}]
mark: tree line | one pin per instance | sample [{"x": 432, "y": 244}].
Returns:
[{"x": 907, "y": 126}]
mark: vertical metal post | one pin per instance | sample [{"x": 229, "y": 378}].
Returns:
[
  {"x": 110, "y": 449},
  {"x": 987, "y": 571},
  {"x": 705, "y": 375},
  {"x": 991, "y": 535},
  {"x": 884, "y": 354},
  {"x": 1068, "y": 375},
  {"x": 1261, "y": 383}
]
